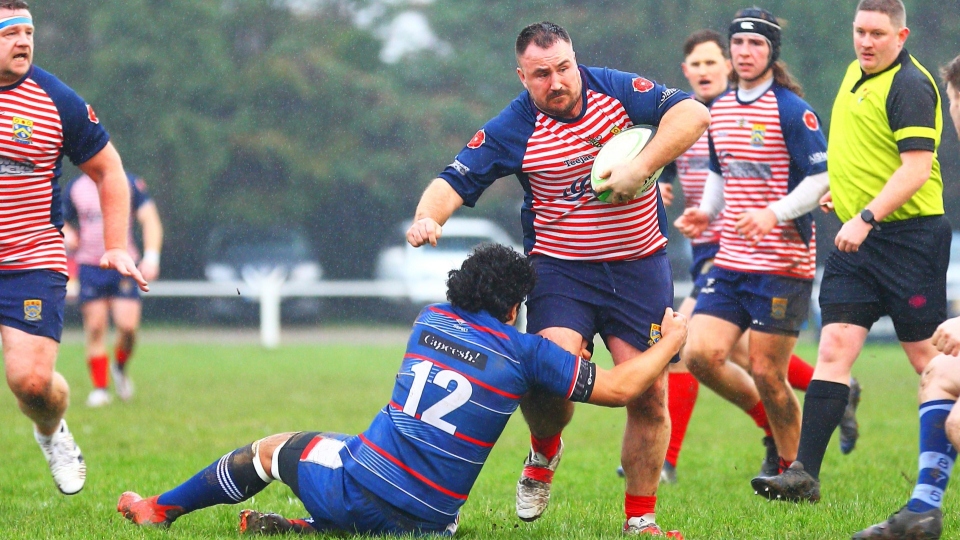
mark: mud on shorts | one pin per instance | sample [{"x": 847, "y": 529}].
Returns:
[
  {"x": 900, "y": 271},
  {"x": 625, "y": 299},
  {"x": 32, "y": 301}
]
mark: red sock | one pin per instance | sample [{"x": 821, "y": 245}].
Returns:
[
  {"x": 98, "y": 370},
  {"x": 799, "y": 373},
  {"x": 639, "y": 505},
  {"x": 681, "y": 397},
  {"x": 784, "y": 465},
  {"x": 547, "y": 446},
  {"x": 122, "y": 356},
  {"x": 759, "y": 415}
]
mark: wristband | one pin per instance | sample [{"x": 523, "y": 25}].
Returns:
[{"x": 151, "y": 256}]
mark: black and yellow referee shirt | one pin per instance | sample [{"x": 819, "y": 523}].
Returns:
[{"x": 875, "y": 118}]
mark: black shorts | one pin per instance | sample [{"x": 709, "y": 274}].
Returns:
[{"x": 900, "y": 271}]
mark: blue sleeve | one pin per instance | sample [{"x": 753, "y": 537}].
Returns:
[
  {"x": 801, "y": 132},
  {"x": 645, "y": 100},
  {"x": 83, "y": 136},
  {"x": 138, "y": 191},
  {"x": 559, "y": 372},
  {"x": 495, "y": 151},
  {"x": 669, "y": 173},
  {"x": 714, "y": 160},
  {"x": 69, "y": 210}
]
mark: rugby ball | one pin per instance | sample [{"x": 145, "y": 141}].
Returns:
[{"x": 624, "y": 146}]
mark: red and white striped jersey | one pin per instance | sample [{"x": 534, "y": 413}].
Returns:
[
  {"x": 41, "y": 120},
  {"x": 81, "y": 204},
  {"x": 693, "y": 166},
  {"x": 763, "y": 149},
  {"x": 552, "y": 158}
]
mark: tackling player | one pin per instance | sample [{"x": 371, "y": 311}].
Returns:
[
  {"x": 893, "y": 249},
  {"x": 602, "y": 267},
  {"x": 767, "y": 172},
  {"x": 463, "y": 375},
  {"x": 105, "y": 292},
  {"x": 44, "y": 120}
]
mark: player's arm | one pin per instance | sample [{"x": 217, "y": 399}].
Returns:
[
  {"x": 152, "y": 230},
  {"x": 624, "y": 383},
  {"x": 106, "y": 170},
  {"x": 805, "y": 197},
  {"x": 438, "y": 202},
  {"x": 947, "y": 337}
]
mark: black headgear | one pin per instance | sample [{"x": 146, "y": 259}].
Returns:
[{"x": 755, "y": 20}]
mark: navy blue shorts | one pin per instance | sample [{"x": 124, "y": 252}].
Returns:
[
  {"x": 97, "y": 283},
  {"x": 900, "y": 271},
  {"x": 703, "y": 256},
  {"x": 32, "y": 301},
  {"x": 337, "y": 502},
  {"x": 625, "y": 299},
  {"x": 762, "y": 302}
]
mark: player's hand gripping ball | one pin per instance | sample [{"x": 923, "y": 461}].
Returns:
[{"x": 624, "y": 146}]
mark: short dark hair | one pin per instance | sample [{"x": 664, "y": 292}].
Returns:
[
  {"x": 13, "y": 4},
  {"x": 704, "y": 36},
  {"x": 543, "y": 34},
  {"x": 891, "y": 8},
  {"x": 950, "y": 73},
  {"x": 494, "y": 278}
]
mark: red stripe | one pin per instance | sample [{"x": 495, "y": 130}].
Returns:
[
  {"x": 573, "y": 383},
  {"x": 469, "y": 378},
  {"x": 306, "y": 451},
  {"x": 456, "y": 434},
  {"x": 471, "y": 325},
  {"x": 412, "y": 472}
]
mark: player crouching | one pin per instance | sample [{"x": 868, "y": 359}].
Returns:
[{"x": 410, "y": 472}]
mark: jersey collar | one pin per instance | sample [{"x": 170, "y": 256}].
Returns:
[
  {"x": 864, "y": 77},
  {"x": 18, "y": 83}
]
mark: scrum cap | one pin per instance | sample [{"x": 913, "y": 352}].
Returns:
[{"x": 754, "y": 20}]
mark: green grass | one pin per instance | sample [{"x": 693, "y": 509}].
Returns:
[{"x": 197, "y": 402}]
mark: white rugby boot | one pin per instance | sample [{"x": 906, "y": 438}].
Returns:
[
  {"x": 533, "y": 495},
  {"x": 122, "y": 383},
  {"x": 64, "y": 458},
  {"x": 98, "y": 398}
]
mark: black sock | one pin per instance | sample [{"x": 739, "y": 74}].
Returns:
[{"x": 822, "y": 411}]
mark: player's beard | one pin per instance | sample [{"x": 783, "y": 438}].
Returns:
[{"x": 565, "y": 112}]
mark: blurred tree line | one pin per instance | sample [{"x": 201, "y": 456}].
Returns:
[{"x": 282, "y": 113}]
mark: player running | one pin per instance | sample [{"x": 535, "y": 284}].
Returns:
[
  {"x": 767, "y": 172},
  {"x": 103, "y": 291},
  {"x": 893, "y": 249},
  {"x": 602, "y": 268},
  {"x": 43, "y": 120},
  {"x": 463, "y": 375}
]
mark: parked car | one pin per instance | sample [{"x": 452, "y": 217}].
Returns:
[
  {"x": 422, "y": 272},
  {"x": 249, "y": 254}
]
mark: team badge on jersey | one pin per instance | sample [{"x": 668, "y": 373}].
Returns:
[
  {"x": 642, "y": 85},
  {"x": 477, "y": 140},
  {"x": 32, "y": 310},
  {"x": 655, "y": 334},
  {"x": 22, "y": 130},
  {"x": 92, "y": 116},
  {"x": 758, "y": 134},
  {"x": 778, "y": 308},
  {"x": 810, "y": 120}
]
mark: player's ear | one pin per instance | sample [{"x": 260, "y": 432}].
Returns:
[{"x": 512, "y": 314}]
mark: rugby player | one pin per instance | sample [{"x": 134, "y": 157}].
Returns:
[
  {"x": 767, "y": 172},
  {"x": 104, "y": 293},
  {"x": 922, "y": 516},
  {"x": 43, "y": 121},
  {"x": 893, "y": 249},
  {"x": 463, "y": 375},
  {"x": 602, "y": 266}
]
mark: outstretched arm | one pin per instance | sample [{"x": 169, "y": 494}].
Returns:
[{"x": 438, "y": 202}]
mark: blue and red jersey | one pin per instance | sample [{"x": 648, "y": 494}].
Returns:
[
  {"x": 460, "y": 380},
  {"x": 81, "y": 204},
  {"x": 552, "y": 158},
  {"x": 42, "y": 120}
]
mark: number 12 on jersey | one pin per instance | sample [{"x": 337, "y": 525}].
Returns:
[{"x": 434, "y": 414}]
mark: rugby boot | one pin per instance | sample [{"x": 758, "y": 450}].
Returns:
[
  {"x": 793, "y": 485},
  {"x": 906, "y": 525},
  {"x": 122, "y": 384},
  {"x": 66, "y": 463},
  {"x": 533, "y": 489},
  {"x": 253, "y": 522},
  {"x": 668, "y": 473},
  {"x": 771, "y": 460},
  {"x": 146, "y": 512},
  {"x": 641, "y": 526},
  {"x": 849, "y": 428}
]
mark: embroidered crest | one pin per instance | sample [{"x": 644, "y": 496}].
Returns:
[
  {"x": 810, "y": 120},
  {"x": 655, "y": 334},
  {"x": 778, "y": 308},
  {"x": 758, "y": 135},
  {"x": 477, "y": 140},
  {"x": 22, "y": 130},
  {"x": 642, "y": 85},
  {"x": 92, "y": 116},
  {"x": 32, "y": 310}
]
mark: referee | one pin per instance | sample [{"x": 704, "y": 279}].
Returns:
[{"x": 892, "y": 251}]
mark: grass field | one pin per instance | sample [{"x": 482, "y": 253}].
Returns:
[{"x": 197, "y": 402}]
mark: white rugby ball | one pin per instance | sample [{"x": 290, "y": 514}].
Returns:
[{"x": 624, "y": 146}]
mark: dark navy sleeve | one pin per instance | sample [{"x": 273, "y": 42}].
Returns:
[
  {"x": 714, "y": 160},
  {"x": 669, "y": 173},
  {"x": 138, "y": 191},
  {"x": 645, "y": 100},
  {"x": 805, "y": 142},
  {"x": 83, "y": 136},
  {"x": 549, "y": 366},
  {"x": 912, "y": 106},
  {"x": 495, "y": 151},
  {"x": 69, "y": 209}
]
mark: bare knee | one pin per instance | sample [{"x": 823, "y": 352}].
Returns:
[
  {"x": 767, "y": 377},
  {"x": 32, "y": 388},
  {"x": 651, "y": 406},
  {"x": 704, "y": 361}
]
